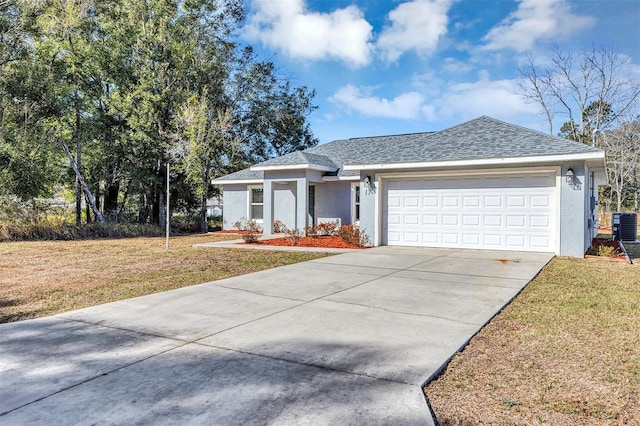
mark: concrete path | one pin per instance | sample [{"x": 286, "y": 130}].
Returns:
[{"x": 347, "y": 339}]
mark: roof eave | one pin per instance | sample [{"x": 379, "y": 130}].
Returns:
[
  {"x": 481, "y": 162},
  {"x": 318, "y": 167},
  {"x": 236, "y": 181},
  {"x": 340, "y": 178}
]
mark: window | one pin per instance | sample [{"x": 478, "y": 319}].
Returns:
[
  {"x": 355, "y": 203},
  {"x": 312, "y": 204},
  {"x": 256, "y": 203}
]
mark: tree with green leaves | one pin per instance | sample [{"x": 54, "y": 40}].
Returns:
[{"x": 121, "y": 88}]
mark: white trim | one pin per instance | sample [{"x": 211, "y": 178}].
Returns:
[
  {"x": 558, "y": 207},
  {"x": 381, "y": 177},
  {"x": 479, "y": 162},
  {"x": 377, "y": 220},
  {"x": 294, "y": 167},
  {"x": 340, "y": 178},
  {"x": 352, "y": 209},
  {"x": 473, "y": 172},
  {"x": 238, "y": 182},
  {"x": 249, "y": 203}
]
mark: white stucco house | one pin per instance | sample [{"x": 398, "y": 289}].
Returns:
[{"x": 483, "y": 184}]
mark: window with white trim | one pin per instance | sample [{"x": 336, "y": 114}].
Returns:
[
  {"x": 355, "y": 203},
  {"x": 256, "y": 203}
]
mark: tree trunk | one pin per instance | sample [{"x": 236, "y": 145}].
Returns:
[
  {"x": 79, "y": 165},
  {"x": 204, "y": 226},
  {"x": 161, "y": 211},
  {"x": 112, "y": 190},
  {"x": 90, "y": 199}
]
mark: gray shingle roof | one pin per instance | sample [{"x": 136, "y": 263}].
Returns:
[
  {"x": 246, "y": 174},
  {"x": 481, "y": 138},
  {"x": 299, "y": 158}
]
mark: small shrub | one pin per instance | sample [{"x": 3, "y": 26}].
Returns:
[
  {"x": 607, "y": 251},
  {"x": 251, "y": 232},
  {"x": 329, "y": 228},
  {"x": 351, "y": 234},
  {"x": 293, "y": 235},
  {"x": 311, "y": 231},
  {"x": 238, "y": 225},
  {"x": 279, "y": 227}
]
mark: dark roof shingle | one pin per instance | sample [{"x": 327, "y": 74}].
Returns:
[{"x": 481, "y": 138}]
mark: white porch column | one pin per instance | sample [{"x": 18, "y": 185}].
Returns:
[
  {"x": 302, "y": 203},
  {"x": 267, "y": 207}
]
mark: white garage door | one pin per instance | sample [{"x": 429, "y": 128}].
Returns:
[{"x": 500, "y": 213}]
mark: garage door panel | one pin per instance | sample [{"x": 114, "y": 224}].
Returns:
[
  {"x": 431, "y": 201},
  {"x": 517, "y": 221},
  {"x": 430, "y": 219},
  {"x": 516, "y": 201},
  {"x": 493, "y": 240},
  {"x": 471, "y": 220},
  {"x": 516, "y": 213},
  {"x": 410, "y": 219},
  {"x": 450, "y": 220},
  {"x": 492, "y": 220},
  {"x": 540, "y": 221},
  {"x": 493, "y": 201},
  {"x": 540, "y": 201},
  {"x": 411, "y": 201},
  {"x": 394, "y": 219},
  {"x": 450, "y": 201}
]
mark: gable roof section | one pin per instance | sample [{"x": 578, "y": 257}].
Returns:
[
  {"x": 298, "y": 160},
  {"x": 483, "y": 140},
  {"x": 245, "y": 176}
]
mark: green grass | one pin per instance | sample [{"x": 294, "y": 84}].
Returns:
[
  {"x": 564, "y": 352},
  {"x": 49, "y": 277}
]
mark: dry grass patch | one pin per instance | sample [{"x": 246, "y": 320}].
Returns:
[
  {"x": 565, "y": 352},
  {"x": 633, "y": 249},
  {"x": 47, "y": 277}
]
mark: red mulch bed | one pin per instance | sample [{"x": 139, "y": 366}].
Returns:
[
  {"x": 320, "y": 241},
  {"x": 598, "y": 242}
]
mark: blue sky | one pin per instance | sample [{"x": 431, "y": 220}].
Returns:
[{"x": 387, "y": 67}]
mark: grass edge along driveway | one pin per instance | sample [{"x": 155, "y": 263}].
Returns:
[
  {"x": 564, "y": 352},
  {"x": 40, "y": 278}
]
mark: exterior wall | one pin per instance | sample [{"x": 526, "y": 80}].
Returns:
[
  {"x": 234, "y": 198},
  {"x": 333, "y": 199},
  {"x": 574, "y": 229},
  {"x": 575, "y": 209},
  {"x": 368, "y": 208},
  {"x": 284, "y": 203}
]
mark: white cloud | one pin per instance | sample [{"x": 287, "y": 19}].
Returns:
[
  {"x": 535, "y": 20},
  {"x": 496, "y": 98},
  {"x": 286, "y": 25},
  {"x": 458, "y": 101},
  {"x": 415, "y": 25},
  {"x": 455, "y": 66},
  {"x": 405, "y": 106}
]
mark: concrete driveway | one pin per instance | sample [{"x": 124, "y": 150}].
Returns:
[{"x": 347, "y": 339}]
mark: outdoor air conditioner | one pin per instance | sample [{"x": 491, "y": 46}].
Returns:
[{"x": 624, "y": 226}]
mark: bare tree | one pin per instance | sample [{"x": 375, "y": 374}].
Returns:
[
  {"x": 623, "y": 154},
  {"x": 591, "y": 89}
]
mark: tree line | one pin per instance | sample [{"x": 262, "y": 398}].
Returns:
[
  {"x": 597, "y": 93},
  {"x": 100, "y": 95}
]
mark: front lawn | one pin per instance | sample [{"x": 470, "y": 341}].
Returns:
[
  {"x": 39, "y": 278},
  {"x": 566, "y": 351}
]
